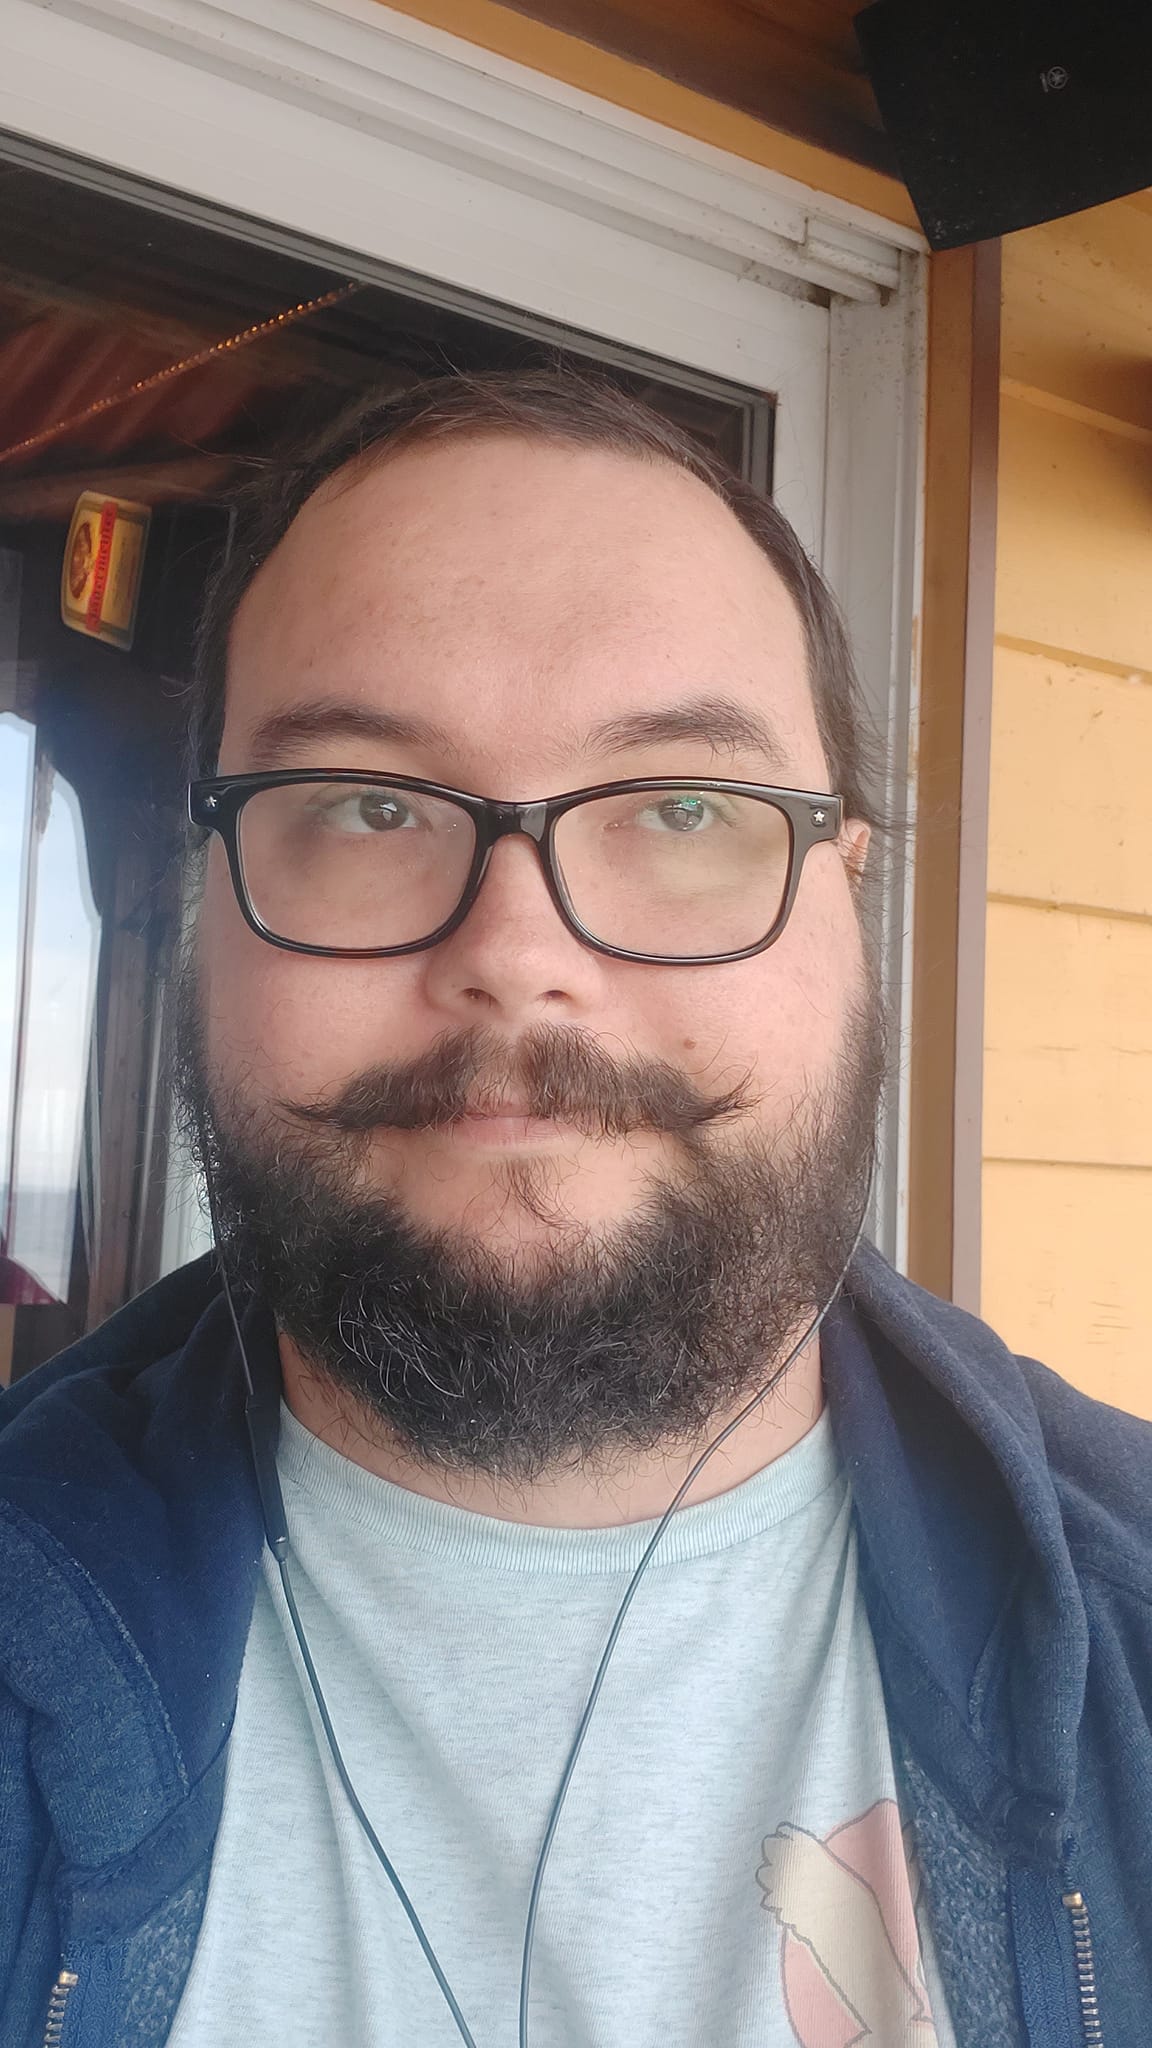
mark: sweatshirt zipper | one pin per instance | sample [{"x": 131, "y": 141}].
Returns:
[
  {"x": 1085, "y": 1957},
  {"x": 62, "y": 1990}
]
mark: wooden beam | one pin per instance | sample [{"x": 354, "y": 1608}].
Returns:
[
  {"x": 808, "y": 81},
  {"x": 133, "y": 949},
  {"x": 947, "y": 1055},
  {"x": 155, "y": 483}
]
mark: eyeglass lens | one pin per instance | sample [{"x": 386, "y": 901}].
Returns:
[{"x": 364, "y": 866}]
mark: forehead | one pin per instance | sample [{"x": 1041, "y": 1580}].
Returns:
[{"x": 517, "y": 593}]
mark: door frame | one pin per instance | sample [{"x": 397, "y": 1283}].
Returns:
[{"x": 344, "y": 125}]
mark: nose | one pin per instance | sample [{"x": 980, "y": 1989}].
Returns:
[{"x": 513, "y": 958}]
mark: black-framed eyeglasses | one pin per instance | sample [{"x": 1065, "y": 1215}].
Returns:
[{"x": 674, "y": 871}]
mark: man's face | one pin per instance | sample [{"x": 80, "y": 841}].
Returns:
[
  {"x": 524, "y": 1202},
  {"x": 540, "y": 618}
]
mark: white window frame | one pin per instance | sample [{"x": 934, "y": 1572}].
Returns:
[{"x": 353, "y": 127}]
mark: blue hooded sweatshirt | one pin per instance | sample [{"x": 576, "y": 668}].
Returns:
[{"x": 1005, "y": 1530}]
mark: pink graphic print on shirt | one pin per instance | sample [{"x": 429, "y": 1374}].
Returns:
[{"x": 850, "y": 1952}]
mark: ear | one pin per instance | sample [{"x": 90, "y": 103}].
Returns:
[{"x": 855, "y": 838}]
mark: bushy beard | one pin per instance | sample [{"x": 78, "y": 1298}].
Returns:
[{"x": 602, "y": 1344}]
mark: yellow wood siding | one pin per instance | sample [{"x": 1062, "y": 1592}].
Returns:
[
  {"x": 1076, "y": 309},
  {"x": 1075, "y": 517},
  {"x": 1071, "y": 1248},
  {"x": 1072, "y": 762},
  {"x": 1068, "y": 1064},
  {"x": 1068, "y": 1019}
]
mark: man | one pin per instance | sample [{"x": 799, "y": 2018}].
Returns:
[{"x": 531, "y": 1043}]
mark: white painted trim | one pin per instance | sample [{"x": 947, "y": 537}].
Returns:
[
  {"x": 397, "y": 78},
  {"x": 873, "y": 558}
]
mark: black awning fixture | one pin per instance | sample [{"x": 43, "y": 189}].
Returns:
[{"x": 1005, "y": 113}]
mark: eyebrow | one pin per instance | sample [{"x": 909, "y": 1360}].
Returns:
[
  {"x": 286, "y": 731},
  {"x": 720, "y": 723}
]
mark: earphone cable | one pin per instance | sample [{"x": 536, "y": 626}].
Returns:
[
  {"x": 578, "y": 1740},
  {"x": 276, "y": 1530},
  {"x": 362, "y": 1817}
]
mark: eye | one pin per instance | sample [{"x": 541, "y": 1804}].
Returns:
[
  {"x": 367, "y": 811},
  {"x": 684, "y": 812}
]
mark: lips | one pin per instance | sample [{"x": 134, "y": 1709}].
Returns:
[{"x": 504, "y": 1128}]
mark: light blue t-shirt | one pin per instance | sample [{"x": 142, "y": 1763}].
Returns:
[{"x": 729, "y": 1870}]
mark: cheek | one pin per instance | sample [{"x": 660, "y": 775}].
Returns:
[
  {"x": 778, "y": 1018},
  {"x": 819, "y": 967},
  {"x": 750, "y": 1021},
  {"x": 285, "y": 1025}
]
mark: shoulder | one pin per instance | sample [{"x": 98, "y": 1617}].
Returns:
[
  {"x": 150, "y": 1328},
  {"x": 1100, "y": 1459},
  {"x": 1030, "y": 1420},
  {"x": 112, "y": 1435}
]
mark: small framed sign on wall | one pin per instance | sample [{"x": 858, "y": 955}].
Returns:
[{"x": 103, "y": 560}]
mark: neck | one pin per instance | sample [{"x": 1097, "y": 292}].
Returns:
[{"x": 637, "y": 1489}]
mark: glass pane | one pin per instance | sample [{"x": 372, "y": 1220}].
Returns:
[
  {"x": 17, "y": 757},
  {"x": 187, "y": 1224},
  {"x": 354, "y": 864},
  {"x": 54, "y": 1039},
  {"x": 675, "y": 871}
]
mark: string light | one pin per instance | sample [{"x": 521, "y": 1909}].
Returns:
[{"x": 246, "y": 336}]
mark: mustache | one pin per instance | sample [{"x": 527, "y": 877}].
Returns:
[{"x": 552, "y": 1071}]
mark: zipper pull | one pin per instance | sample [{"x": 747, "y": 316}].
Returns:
[
  {"x": 1085, "y": 1957},
  {"x": 61, "y": 1992}
]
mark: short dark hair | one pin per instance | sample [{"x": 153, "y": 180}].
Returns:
[{"x": 560, "y": 406}]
